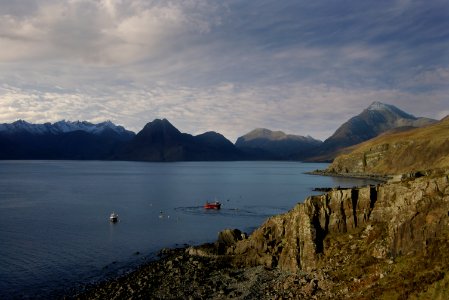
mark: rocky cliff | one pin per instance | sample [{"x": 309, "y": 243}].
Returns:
[
  {"x": 412, "y": 212},
  {"x": 388, "y": 241},
  {"x": 366, "y": 241}
]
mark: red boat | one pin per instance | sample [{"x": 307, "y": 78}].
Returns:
[{"x": 212, "y": 205}]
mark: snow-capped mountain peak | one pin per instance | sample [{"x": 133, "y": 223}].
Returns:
[
  {"x": 376, "y": 105},
  {"x": 62, "y": 126},
  {"x": 382, "y": 107},
  {"x": 22, "y": 125}
]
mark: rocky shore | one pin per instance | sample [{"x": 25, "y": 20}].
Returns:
[
  {"x": 388, "y": 241},
  {"x": 180, "y": 275},
  {"x": 374, "y": 177}
]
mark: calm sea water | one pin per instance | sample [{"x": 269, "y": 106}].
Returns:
[{"x": 54, "y": 228}]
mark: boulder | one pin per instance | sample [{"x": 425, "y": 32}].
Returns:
[{"x": 227, "y": 240}]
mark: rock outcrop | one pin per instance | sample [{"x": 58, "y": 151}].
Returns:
[
  {"x": 407, "y": 216},
  {"x": 388, "y": 241}
]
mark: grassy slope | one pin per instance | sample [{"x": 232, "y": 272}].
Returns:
[{"x": 414, "y": 150}]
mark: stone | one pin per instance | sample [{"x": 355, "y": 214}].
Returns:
[
  {"x": 347, "y": 243},
  {"x": 294, "y": 241},
  {"x": 229, "y": 237}
]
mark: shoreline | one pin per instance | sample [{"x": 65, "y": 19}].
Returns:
[
  {"x": 359, "y": 260},
  {"x": 177, "y": 264},
  {"x": 210, "y": 276},
  {"x": 181, "y": 273},
  {"x": 379, "y": 178}
]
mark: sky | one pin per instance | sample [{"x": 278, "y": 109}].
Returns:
[{"x": 300, "y": 66}]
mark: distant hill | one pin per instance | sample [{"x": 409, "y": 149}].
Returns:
[
  {"x": 63, "y": 126},
  {"x": 263, "y": 143},
  {"x": 400, "y": 152},
  {"x": 61, "y": 140},
  {"x": 159, "y": 140},
  {"x": 371, "y": 122}
]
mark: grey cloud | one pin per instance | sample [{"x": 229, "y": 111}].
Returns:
[
  {"x": 102, "y": 32},
  {"x": 227, "y": 108},
  {"x": 299, "y": 66}
]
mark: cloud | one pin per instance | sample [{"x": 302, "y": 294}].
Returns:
[
  {"x": 228, "y": 108},
  {"x": 437, "y": 78},
  {"x": 100, "y": 32},
  {"x": 299, "y": 66}
]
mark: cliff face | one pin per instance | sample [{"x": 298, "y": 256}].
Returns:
[
  {"x": 391, "y": 220},
  {"x": 385, "y": 242},
  {"x": 389, "y": 240}
]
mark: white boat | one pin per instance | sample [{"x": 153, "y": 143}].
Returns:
[{"x": 113, "y": 217}]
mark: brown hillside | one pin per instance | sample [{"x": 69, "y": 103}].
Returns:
[{"x": 398, "y": 153}]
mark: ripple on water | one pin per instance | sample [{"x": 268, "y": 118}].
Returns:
[
  {"x": 245, "y": 211},
  {"x": 54, "y": 228}
]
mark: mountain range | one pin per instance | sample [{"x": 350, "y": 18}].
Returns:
[
  {"x": 61, "y": 140},
  {"x": 64, "y": 127},
  {"x": 159, "y": 140},
  {"x": 262, "y": 143}
]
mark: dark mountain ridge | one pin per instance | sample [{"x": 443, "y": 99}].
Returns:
[
  {"x": 262, "y": 143},
  {"x": 399, "y": 152},
  {"x": 159, "y": 140},
  {"x": 63, "y": 126},
  {"x": 376, "y": 119},
  {"x": 61, "y": 140}
]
